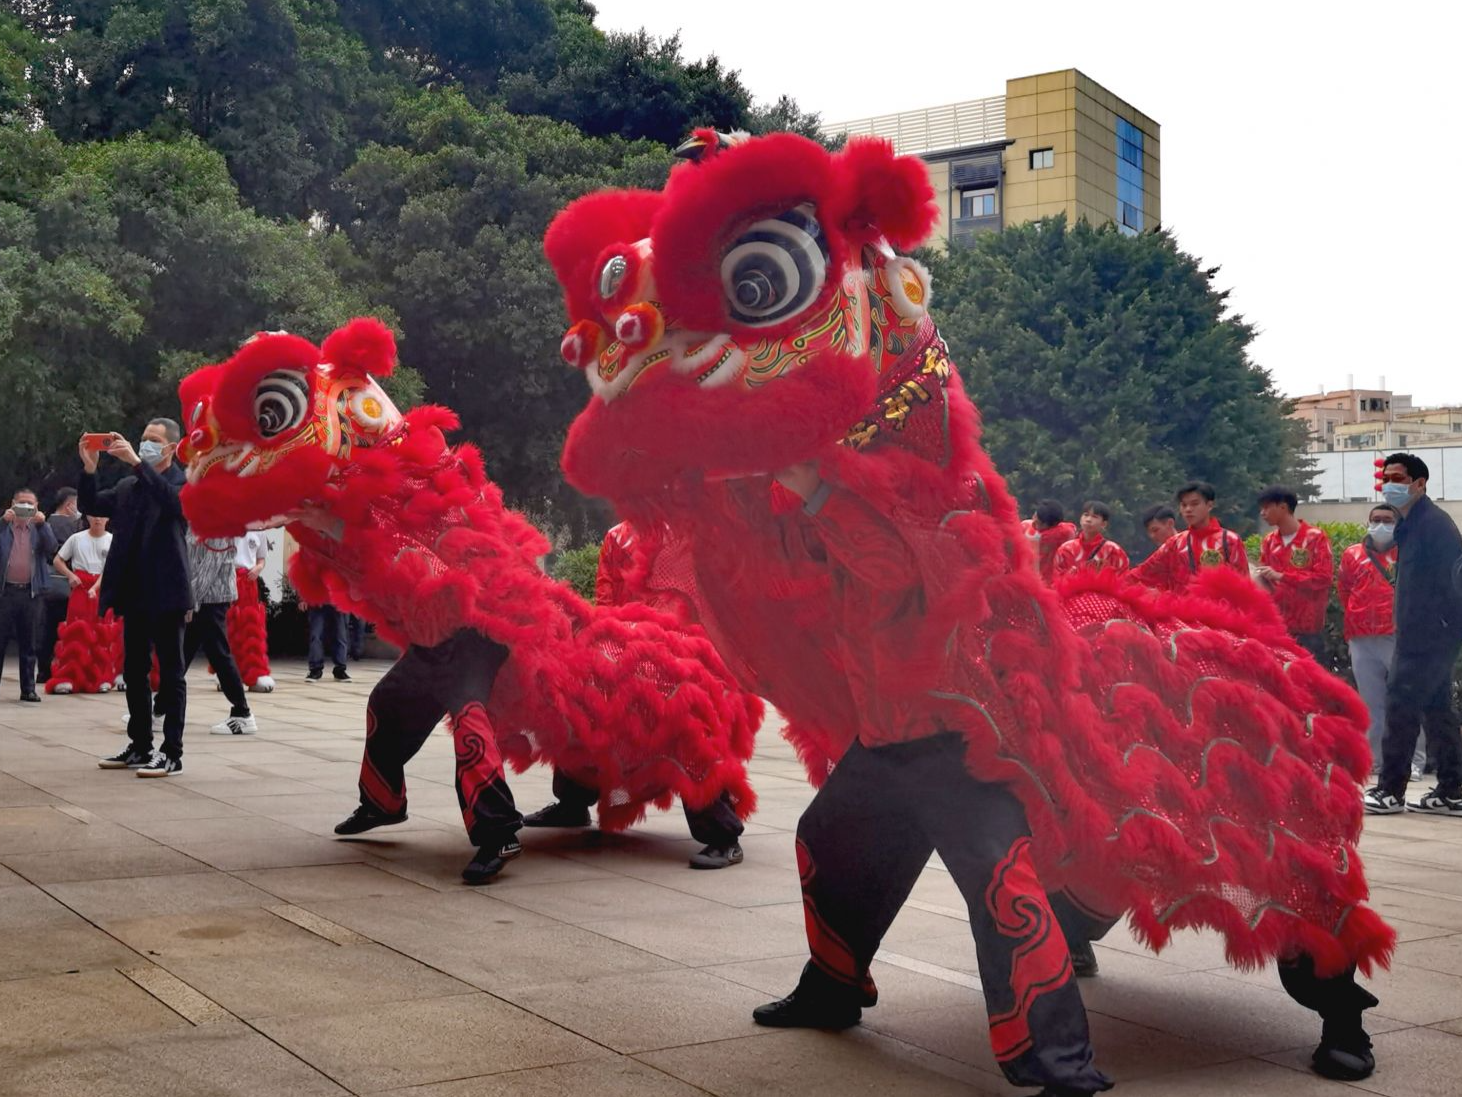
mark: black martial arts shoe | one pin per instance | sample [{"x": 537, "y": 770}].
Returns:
[
  {"x": 489, "y": 862},
  {"x": 366, "y": 818},
  {"x": 803, "y": 1010},
  {"x": 1344, "y": 1054},
  {"x": 1083, "y": 960},
  {"x": 558, "y": 814},
  {"x": 717, "y": 856}
]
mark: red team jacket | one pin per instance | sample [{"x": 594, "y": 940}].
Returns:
[
  {"x": 1179, "y": 558},
  {"x": 1049, "y": 541},
  {"x": 1079, "y": 554},
  {"x": 1368, "y": 591},
  {"x": 614, "y": 559},
  {"x": 1306, "y": 568}
]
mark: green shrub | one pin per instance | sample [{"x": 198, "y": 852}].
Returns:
[{"x": 578, "y": 567}]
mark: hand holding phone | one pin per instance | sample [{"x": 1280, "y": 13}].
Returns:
[{"x": 96, "y": 442}]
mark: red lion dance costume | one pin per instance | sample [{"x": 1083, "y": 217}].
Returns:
[
  {"x": 399, "y": 527},
  {"x": 770, "y": 392},
  {"x": 88, "y": 655},
  {"x": 248, "y": 633}
]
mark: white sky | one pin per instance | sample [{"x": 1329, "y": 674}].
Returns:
[{"x": 1312, "y": 150}]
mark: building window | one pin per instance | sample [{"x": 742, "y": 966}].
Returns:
[
  {"x": 1042, "y": 158},
  {"x": 1131, "y": 217},
  {"x": 977, "y": 203}
]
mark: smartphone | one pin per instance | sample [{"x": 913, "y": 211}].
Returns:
[{"x": 97, "y": 442}]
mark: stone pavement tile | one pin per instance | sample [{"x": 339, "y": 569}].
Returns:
[
  {"x": 58, "y": 948},
  {"x": 1415, "y": 995},
  {"x": 49, "y": 1012},
  {"x": 606, "y": 1077},
  {"x": 109, "y": 901},
  {"x": 245, "y": 853},
  {"x": 231, "y": 931},
  {"x": 579, "y": 901},
  {"x": 184, "y": 833},
  {"x": 18, "y": 794},
  {"x": 914, "y": 924},
  {"x": 26, "y": 905},
  {"x": 819, "y": 1064},
  {"x": 749, "y": 884},
  {"x": 219, "y": 1060},
  {"x": 1415, "y": 1062},
  {"x": 649, "y": 1010},
  {"x": 1239, "y": 1078},
  {"x": 1414, "y": 877},
  {"x": 137, "y": 858},
  {"x": 231, "y": 786},
  {"x": 724, "y": 935},
  {"x": 1427, "y": 910},
  {"x": 127, "y": 810},
  {"x": 280, "y": 805},
  {"x": 432, "y": 1040},
  {"x": 9, "y": 879},
  {"x": 899, "y": 990},
  {"x": 1187, "y": 949},
  {"x": 325, "y": 882},
  {"x": 1440, "y": 954},
  {"x": 44, "y": 829},
  {"x": 1428, "y": 851},
  {"x": 313, "y": 980},
  {"x": 322, "y": 822}
]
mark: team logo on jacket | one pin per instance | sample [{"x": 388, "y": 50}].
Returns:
[
  {"x": 1300, "y": 558},
  {"x": 1211, "y": 558}
]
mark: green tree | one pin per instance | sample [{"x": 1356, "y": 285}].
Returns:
[
  {"x": 122, "y": 266},
  {"x": 1108, "y": 366},
  {"x": 19, "y": 50}
]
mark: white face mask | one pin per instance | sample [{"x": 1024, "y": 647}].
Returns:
[{"x": 1381, "y": 534}]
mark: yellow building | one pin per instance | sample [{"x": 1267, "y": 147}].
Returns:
[{"x": 1054, "y": 143}]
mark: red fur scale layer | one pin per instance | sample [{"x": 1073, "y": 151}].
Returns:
[
  {"x": 248, "y": 632},
  {"x": 88, "y": 654}
]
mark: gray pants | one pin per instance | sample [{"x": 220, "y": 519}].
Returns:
[{"x": 1370, "y": 662}]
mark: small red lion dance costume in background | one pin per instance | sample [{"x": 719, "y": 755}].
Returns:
[
  {"x": 248, "y": 633},
  {"x": 770, "y": 392},
  {"x": 395, "y": 525},
  {"x": 88, "y": 655}
]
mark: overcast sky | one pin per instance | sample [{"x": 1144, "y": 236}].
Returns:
[{"x": 1312, "y": 150}]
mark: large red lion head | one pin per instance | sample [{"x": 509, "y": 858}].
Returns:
[
  {"x": 264, "y": 432},
  {"x": 741, "y": 319}
]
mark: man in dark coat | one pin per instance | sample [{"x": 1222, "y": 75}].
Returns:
[
  {"x": 26, "y": 547},
  {"x": 146, "y": 582}
]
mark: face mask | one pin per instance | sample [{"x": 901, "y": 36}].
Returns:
[
  {"x": 150, "y": 451},
  {"x": 1398, "y": 495},
  {"x": 1382, "y": 534}
]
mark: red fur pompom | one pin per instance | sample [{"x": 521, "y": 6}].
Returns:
[
  {"x": 887, "y": 194},
  {"x": 363, "y": 346}
]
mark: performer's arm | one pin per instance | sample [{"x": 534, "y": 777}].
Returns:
[
  {"x": 1345, "y": 584},
  {"x": 1117, "y": 559},
  {"x": 1156, "y": 571},
  {"x": 854, "y": 534}
]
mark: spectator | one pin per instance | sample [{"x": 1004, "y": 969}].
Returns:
[
  {"x": 89, "y": 654},
  {"x": 356, "y": 629},
  {"x": 1091, "y": 551},
  {"x": 215, "y": 586},
  {"x": 1297, "y": 566},
  {"x": 146, "y": 582},
  {"x": 1204, "y": 544},
  {"x": 65, "y": 520},
  {"x": 1367, "y": 595},
  {"x": 321, "y": 619},
  {"x": 1160, "y": 523},
  {"x": 26, "y": 547},
  {"x": 1428, "y": 638},
  {"x": 1047, "y": 532}
]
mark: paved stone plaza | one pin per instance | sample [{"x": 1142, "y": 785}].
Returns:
[{"x": 205, "y": 934}]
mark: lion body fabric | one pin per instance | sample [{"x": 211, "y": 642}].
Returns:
[{"x": 1180, "y": 760}]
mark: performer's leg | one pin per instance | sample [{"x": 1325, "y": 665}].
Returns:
[
  {"x": 1080, "y": 926},
  {"x": 718, "y": 828},
  {"x": 1443, "y": 731},
  {"x": 172, "y": 686},
  {"x": 1038, "y": 1026},
  {"x": 1370, "y": 657},
  {"x": 212, "y": 623},
  {"x": 570, "y": 807},
  {"x": 402, "y": 711},
  {"x": 1344, "y": 1052},
  {"x": 1409, "y": 685},
  {"x": 137, "y": 674},
  {"x": 859, "y": 851}
]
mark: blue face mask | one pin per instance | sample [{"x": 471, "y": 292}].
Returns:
[
  {"x": 1382, "y": 534},
  {"x": 150, "y": 451},
  {"x": 1398, "y": 495}
]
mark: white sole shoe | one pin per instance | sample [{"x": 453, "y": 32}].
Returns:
[{"x": 235, "y": 725}]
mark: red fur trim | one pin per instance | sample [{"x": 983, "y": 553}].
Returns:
[
  {"x": 220, "y": 507},
  {"x": 880, "y": 194},
  {"x": 233, "y": 403},
  {"x": 583, "y": 230},
  {"x": 365, "y": 346},
  {"x": 248, "y": 634},
  {"x": 88, "y": 654}
]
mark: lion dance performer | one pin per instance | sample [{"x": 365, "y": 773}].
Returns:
[
  {"x": 88, "y": 644},
  {"x": 770, "y": 395},
  {"x": 399, "y": 527}
]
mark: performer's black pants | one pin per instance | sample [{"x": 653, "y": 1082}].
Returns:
[
  {"x": 716, "y": 825},
  {"x": 142, "y": 634},
  {"x": 1419, "y": 689},
  {"x": 862, "y": 844},
  {"x": 209, "y": 630},
  {"x": 453, "y": 680}
]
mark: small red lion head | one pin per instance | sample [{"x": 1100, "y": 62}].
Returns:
[
  {"x": 264, "y": 432},
  {"x": 739, "y": 320}
]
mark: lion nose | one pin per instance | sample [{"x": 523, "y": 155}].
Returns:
[{"x": 640, "y": 326}]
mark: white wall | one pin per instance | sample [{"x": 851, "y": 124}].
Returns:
[{"x": 1350, "y": 475}]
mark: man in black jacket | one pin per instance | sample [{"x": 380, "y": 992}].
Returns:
[
  {"x": 146, "y": 582},
  {"x": 1428, "y": 638}
]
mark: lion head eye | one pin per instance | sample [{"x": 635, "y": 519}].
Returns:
[
  {"x": 281, "y": 402},
  {"x": 775, "y": 268}
]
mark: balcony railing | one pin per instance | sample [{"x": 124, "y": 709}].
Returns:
[{"x": 953, "y": 126}]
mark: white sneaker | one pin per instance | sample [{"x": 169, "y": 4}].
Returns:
[
  {"x": 1434, "y": 803},
  {"x": 235, "y": 725},
  {"x": 105, "y": 687},
  {"x": 265, "y": 684},
  {"x": 1377, "y": 801},
  {"x": 61, "y": 687}
]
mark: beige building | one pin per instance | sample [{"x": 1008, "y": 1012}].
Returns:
[{"x": 1054, "y": 143}]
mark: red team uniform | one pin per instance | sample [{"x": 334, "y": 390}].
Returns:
[
  {"x": 1367, "y": 588},
  {"x": 1080, "y": 554},
  {"x": 1306, "y": 567},
  {"x": 1047, "y": 542},
  {"x": 1180, "y": 558}
]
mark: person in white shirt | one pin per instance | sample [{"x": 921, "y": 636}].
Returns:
[
  {"x": 248, "y": 635},
  {"x": 88, "y": 656}
]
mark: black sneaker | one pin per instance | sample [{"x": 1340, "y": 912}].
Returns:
[
  {"x": 366, "y": 818},
  {"x": 314, "y": 675},
  {"x": 558, "y": 814},
  {"x": 341, "y": 675},
  {"x": 798, "y": 1010},
  {"x": 33, "y": 697},
  {"x": 489, "y": 862},
  {"x": 1344, "y": 1053},
  {"x": 1083, "y": 960},
  {"x": 1436, "y": 802},
  {"x": 130, "y": 758},
  {"x": 717, "y": 857},
  {"x": 1378, "y": 801},
  {"x": 160, "y": 765}
]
